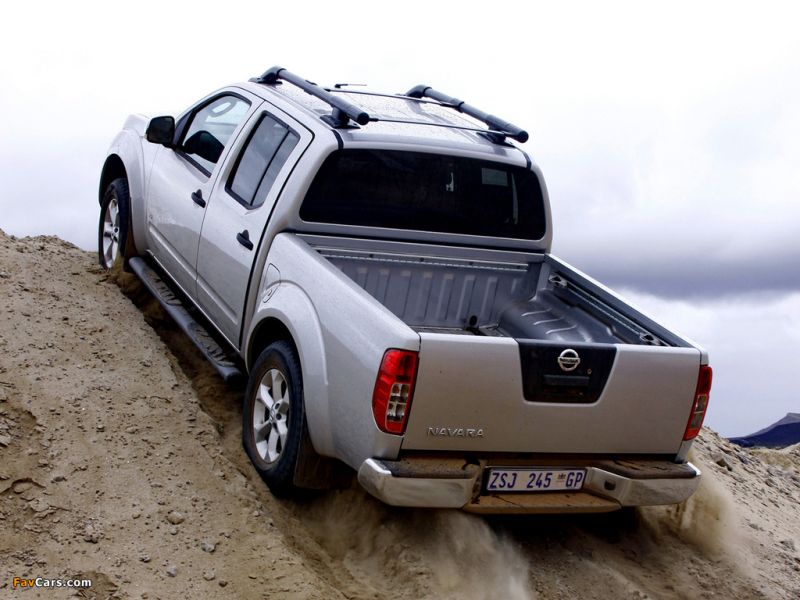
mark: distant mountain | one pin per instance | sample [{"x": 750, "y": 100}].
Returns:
[{"x": 778, "y": 435}]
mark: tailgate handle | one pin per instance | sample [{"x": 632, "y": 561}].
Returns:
[
  {"x": 244, "y": 239},
  {"x": 198, "y": 198},
  {"x": 567, "y": 380}
]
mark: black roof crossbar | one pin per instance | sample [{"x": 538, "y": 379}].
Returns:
[
  {"x": 500, "y": 128},
  {"x": 343, "y": 111}
]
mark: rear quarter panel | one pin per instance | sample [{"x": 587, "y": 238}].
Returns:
[{"x": 341, "y": 334}]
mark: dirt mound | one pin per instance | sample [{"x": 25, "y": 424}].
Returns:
[{"x": 120, "y": 461}]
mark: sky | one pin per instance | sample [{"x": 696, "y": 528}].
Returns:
[{"x": 669, "y": 134}]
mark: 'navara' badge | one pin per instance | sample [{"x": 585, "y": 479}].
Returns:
[{"x": 569, "y": 360}]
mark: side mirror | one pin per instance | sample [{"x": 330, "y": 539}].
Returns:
[
  {"x": 161, "y": 130},
  {"x": 204, "y": 145}
]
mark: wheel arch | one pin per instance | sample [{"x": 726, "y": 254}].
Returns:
[
  {"x": 290, "y": 316},
  {"x": 269, "y": 330},
  {"x": 125, "y": 158},
  {"x": 113, "y": 169}
]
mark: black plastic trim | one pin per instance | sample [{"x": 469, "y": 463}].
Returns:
[
  {"x": 343, "y": 111},
  {"x": 339, "y": 141},
  {"x": 543, "y": 380},
  {"x": 504, "y": 128},
  {"x": 173, "y": 303}
]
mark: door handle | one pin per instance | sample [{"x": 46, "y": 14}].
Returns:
[
  {"x": 198, "y": 198},
  {"x": 244, "y": 239}
]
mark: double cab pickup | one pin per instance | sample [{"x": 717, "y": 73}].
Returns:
[{"x": 378, "y": 267}]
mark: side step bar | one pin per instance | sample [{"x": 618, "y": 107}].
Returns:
[{"x": 196, "y": 332}]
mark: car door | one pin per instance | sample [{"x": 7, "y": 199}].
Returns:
[
  {"x": 181, "y": 179},
  {"x": 238, "y": 211}
]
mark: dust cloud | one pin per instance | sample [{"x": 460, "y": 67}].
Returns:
[{"x": 448, "y": 553}]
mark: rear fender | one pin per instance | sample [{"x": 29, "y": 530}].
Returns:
[{"x": 292, "y": 307}]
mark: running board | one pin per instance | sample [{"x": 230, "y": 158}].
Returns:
[{"x": 196, "y": 332}]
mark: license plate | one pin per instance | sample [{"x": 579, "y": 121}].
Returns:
[{"x": 534, "y": 480}]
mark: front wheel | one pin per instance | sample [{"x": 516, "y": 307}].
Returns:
[
  {"x": 273, "y": 416},
  {"x": 113, "y": 230}
]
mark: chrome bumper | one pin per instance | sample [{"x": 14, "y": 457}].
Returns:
[
  {"x": 429, "y": 492},
  {"x": 602, "y": 490}
]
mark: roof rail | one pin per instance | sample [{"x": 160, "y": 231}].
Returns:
[
  {"x": 342, "y": 112},
  {"x": 501, "y": 128}
]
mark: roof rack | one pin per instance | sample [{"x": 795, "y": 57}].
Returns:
[
  {"x": 347, "y": 115},
  {"x": 342, "y": 112},
  {"x": 500, "y": 128}
]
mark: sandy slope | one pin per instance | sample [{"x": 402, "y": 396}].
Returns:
[{"x": 120, "y": 460}]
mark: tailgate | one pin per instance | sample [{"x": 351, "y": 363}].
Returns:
[{"x": 471, "y": 393}]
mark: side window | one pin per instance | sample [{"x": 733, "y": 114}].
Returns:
[
  {"x": 210, "y": 128},
  {"x": 266, "y": 151}
]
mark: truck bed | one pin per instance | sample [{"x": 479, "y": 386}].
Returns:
[
  {"x": 494, "y": 326},
  {"x": 500, "y": 294}
]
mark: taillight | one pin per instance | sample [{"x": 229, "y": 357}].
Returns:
[
  {"x": 394, "y": 387},
  {"x": 700, "y": 403}
]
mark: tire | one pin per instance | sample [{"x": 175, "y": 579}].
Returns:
[
  {"x": 273, "y": 417},
  {"x": 112, "y": 235}
]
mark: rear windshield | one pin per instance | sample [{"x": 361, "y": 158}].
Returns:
[{"x": 426, "y": 192}]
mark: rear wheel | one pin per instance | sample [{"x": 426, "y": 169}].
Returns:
[
  {"x": 274, "y": 416},
  {"x": 112, "y": 242}
]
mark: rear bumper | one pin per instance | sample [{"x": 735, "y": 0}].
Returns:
[{"x": 452, "y": 483}]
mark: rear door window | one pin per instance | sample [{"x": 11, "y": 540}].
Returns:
[{"x": 260, "y": 161}]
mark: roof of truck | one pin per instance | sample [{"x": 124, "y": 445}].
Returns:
[{"x": 393, "y": 117}]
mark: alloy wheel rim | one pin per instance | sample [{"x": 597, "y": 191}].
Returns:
[
  {"x": 271, "y": 415},
  {"x": 111, "y": 233}
]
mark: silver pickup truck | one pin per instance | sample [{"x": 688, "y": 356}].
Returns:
[{"x": 378, "y": 266}]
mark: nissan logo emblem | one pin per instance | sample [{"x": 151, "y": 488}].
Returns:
[{"x": 569, "y": 360}]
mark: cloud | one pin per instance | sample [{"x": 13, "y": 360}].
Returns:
[{"x": 669, "y": 135}]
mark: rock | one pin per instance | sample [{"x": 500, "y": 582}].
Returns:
[
  {"x": 208, "y": 546},
  {"x": 222, "y": 583},
  {"x": 173, "y": 530},
  {"x": 209, "y": 575},
  {"x": 59, "y": 478},
  {"x": 101, "y": 427},
  {"x": 175, "y": 517},
  {"x": 90, "y": 534},
  {"x": 721, "y": 460},
  {"x": 39, "y": 505},
  {"x": 21, "y": 486},
  {"x": 4, "y": 275},
  {"x": 788, "y": 544},
  {"x": 5, "y": 440},
  {"x": 145, "y": 558},
  {"x": 172, "y": 571}
]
